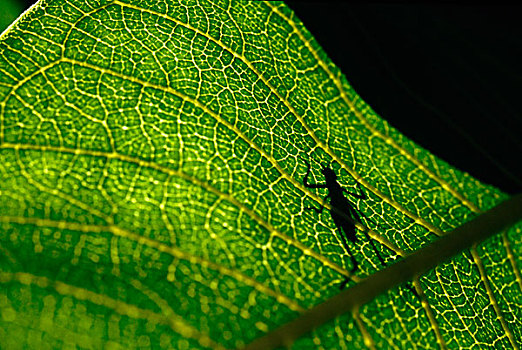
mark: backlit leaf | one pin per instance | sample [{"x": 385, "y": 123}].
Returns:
[{"x": 152, "y": 157}]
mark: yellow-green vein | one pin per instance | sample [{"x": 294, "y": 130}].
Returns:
[
  {"x": 161, "y": 247},
  {"x": 120, "y": 307}
]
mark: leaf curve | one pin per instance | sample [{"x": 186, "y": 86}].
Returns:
[{"x": 152, "y": 166}]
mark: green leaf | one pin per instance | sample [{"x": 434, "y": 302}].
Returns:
[
  {"x": 415, "y": 264},
  {"x": 152, "y": 158}
]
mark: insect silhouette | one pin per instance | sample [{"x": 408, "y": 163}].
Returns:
[{"x": 343, "y": 214}]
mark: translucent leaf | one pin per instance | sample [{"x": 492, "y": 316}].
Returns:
[{"x": 152, "y": 164}]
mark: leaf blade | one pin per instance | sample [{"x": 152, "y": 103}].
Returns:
[{"x": 178, "y": 126}]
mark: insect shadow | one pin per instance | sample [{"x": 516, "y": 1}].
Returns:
[{"x": 343, "y": 213}]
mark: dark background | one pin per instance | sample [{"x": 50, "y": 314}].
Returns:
[{"x": 447, "y": 76}]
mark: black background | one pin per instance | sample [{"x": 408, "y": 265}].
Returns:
[{"x": 447, "y": 76}]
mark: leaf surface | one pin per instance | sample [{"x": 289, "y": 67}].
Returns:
[{"x": 152, "y": 163}]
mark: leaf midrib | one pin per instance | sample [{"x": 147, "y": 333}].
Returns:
[{"x": 473, "y": 232}]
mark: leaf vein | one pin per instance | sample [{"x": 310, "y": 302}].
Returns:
[
  {"x": 486, "y": 283},
  {"x": 321, "y": 144},
  {"x": 175, "y": 322},
  {"x": 161, "y": 247},
  {"x": 377, "y": 133}
]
